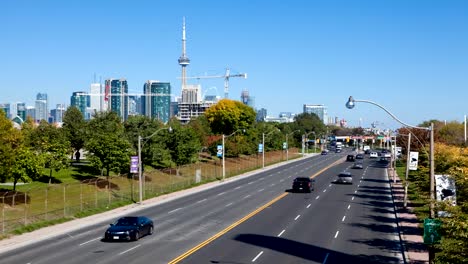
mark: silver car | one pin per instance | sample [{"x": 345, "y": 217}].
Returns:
[{"x": 345, "y": 178}]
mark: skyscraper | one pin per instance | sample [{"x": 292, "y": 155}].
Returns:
[
  {"x": 57, "y": 113},
  {"x": 116, "y": 96},
  {"x": 319, "y": 110},
  {"x": 95, "y": 98},
  {"x": 6, "y": 110},
  {"x": 80, "y": 101},
  {"x": 42, "y": 107},
  {"x": 156, "y": 100},
  {"x": 21, "y": 111}
]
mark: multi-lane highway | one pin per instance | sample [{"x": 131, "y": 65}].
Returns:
[{"x": 252, "y": 220}]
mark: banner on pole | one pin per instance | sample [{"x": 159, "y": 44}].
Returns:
[{"x": 413, "y": 160}]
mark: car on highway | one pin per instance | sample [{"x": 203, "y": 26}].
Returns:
[
  {"x": 303, "y": 184},
  {"x": 359, "y": 156},
  {"x": 350, "y": 157},
  {"x": 357, "y": 165},
  {"x": 129, "y": 228},
  {"x": 344, "y": 177},
  {"x": 373, "y": 155},
  {"x": 338, "y": 150},
  {"x": 324, "y": 152}
]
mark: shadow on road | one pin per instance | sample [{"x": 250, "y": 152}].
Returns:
[{"x": 310, "y": 252}]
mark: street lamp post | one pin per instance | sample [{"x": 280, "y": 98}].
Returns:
[
  {"x": 305, "y": 138},
  {"x": 351, "y": 103},
  {"x": 140, "y": 181},
  {"x": 263, "y": 147}
]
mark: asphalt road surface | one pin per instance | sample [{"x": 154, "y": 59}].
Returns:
[{"x": 254, "y": 219}]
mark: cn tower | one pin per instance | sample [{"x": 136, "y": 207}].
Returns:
[{"x": 183, "y": 59}]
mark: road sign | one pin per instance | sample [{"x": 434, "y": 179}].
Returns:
[
  {"x": 134, "y": 164},
  {"x": 260, "y": 148},
  {"x": 285, "y": 145},
  {"x": 432, "y": 231},
  {"x": 220, "y": 151},
  {"x": 413, "y": 162}
]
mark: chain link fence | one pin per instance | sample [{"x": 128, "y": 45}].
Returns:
[{"x": 66, "y": 201}]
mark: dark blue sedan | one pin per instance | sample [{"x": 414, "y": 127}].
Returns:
[{"x": 129, "y": 228}]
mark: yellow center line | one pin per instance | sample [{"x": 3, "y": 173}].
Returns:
[{"x": 245, "y": 218}]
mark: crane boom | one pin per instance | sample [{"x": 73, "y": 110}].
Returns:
[{"x": 226, "y": 77}]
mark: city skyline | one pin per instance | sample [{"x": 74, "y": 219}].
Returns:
[{"x": 409, "y": 57}]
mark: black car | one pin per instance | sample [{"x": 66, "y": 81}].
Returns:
[
  {"x": 359, "y": 156},
  {"x": 303, "y": 184},
  {"x": 350, "y": 157},
  {"x": 129, "y": 228},
  {"x": 324, "y": 152}
]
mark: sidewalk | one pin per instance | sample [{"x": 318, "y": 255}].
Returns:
[{"x": 410, "y": 233}]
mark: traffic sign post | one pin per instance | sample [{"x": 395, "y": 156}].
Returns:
[
  {"x": 134, "y": 164},
  {"x": 432, "y": 231}
]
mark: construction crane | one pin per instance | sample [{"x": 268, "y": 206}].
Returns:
[{"x": 226, "y": 79}]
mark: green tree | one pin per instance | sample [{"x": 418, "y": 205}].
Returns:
[
  {"x": 228, "y": 116},
  {"x": 10, "y": 141},
  {"x": 183, "y": 144},
  {"x": 27, "y": 166},
  {"x": 107, "y": 147},
  {"x": 74, "y": 127},
  {"x": 50, "y": 142}
]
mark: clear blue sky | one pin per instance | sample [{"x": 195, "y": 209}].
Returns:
[{"x": 409, "y": 56}]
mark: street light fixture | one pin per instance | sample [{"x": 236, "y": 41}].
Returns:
[
  {"x": 352, "y": 102},
  {"x": 224, "y": 168},
  {"x": 140, "y": 181},
  {"x": 305, "y": 138}
]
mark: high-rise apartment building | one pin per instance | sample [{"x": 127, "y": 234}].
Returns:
[
  {"x": 261, "y": 114},
  {"x": 42, "y": 107},
  {"x": 156, "y": 101},
  {"x": 6, "y": 110},
  {"x": 319, "y": 110},
  {"x": 116, "y": 97},
  {"x": 21, "y": 111},
  {"x": 95, "y": 98},
  {"x": 57, "y": 113},
  {"x": 80, "y": 101}
]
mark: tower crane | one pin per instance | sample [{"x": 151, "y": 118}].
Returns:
[{"x": 226, "y": 77}]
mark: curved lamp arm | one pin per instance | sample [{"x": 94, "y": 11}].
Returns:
[{"x": 351, "y": 103}]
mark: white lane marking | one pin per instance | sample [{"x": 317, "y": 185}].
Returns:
[
  {"x": 229, "y": 204},
  {"x": 342, "y": 220},
  {"x": 289, "y": 176},
  {"x": 174, "y": 210},
  {"x": 201, "y": 201},
  {"x": 247, "y": 196},
  {"x": 358, "y": 186},
  {"x": 238, "y": 187},
  {"x": 352, "y": 198},
  {"x": 360, "y": 181},
  {"x": 349, "y": 206},
  {"x": 130, "y": 249},
  {"x": 336, "y": 235},
  {"x": 297, "y": 217},
  {"x": 329, "y": 185},
  {"x": 317, "y": 197},
  {"x": 325, "y": 260},
  {"x": 308, "y": 206},
  {"x": 219, "y": 194},
  {"x": 282, "y": 180},
  {"x": 84, "y": 243},
  {"x": 325, "y": 190},
  {"x": 281, "y": 233},
  {"x": 355, "y": 191},
  {"x": 272, "y": 184},
  {"x": 261, "y": 190},
  {"x": 261, "y": 178},
  {"x": 259, "y": 254},
  {"x": 250, "y": 182}
]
